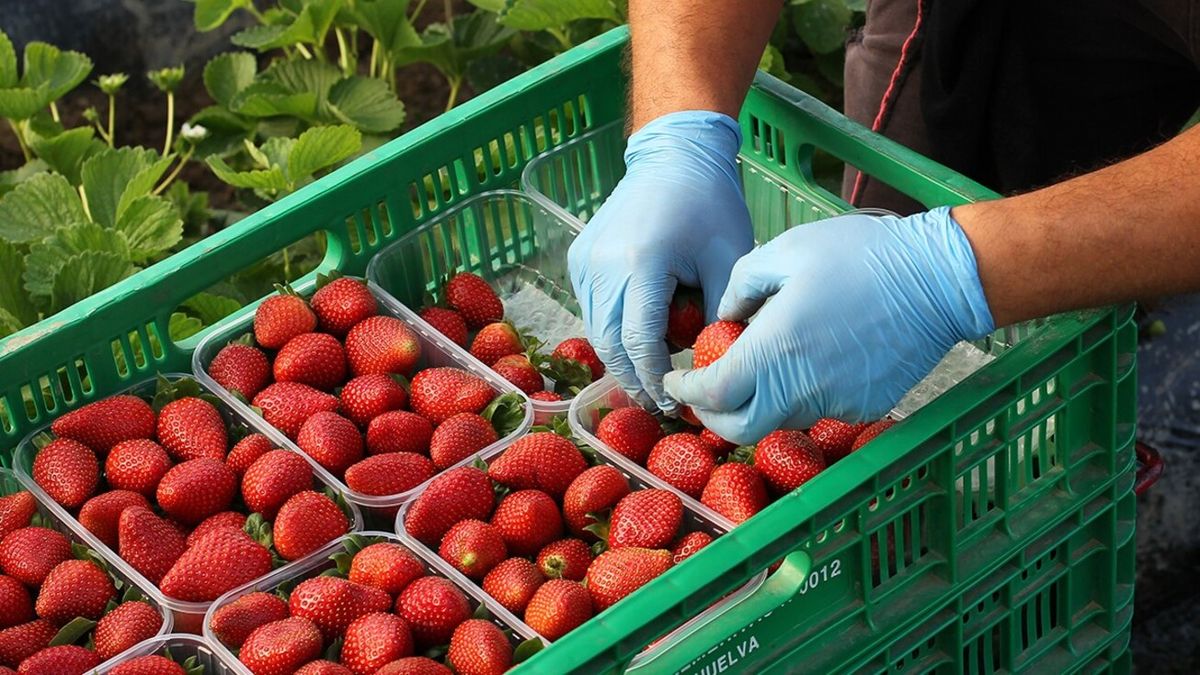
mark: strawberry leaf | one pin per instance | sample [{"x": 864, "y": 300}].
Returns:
[
  {"x": 70, "y": 633},
  {"x": 506, "y": 413},
  {"x": 259, "y": 530},
  {"x": 743, "y": 454},
  {"x": 566, "y": 373},
  {"x": 601, "y": 413},
  {"x": 342, "y": 561},
  {"x": 601, "y": 526},
  {"x": 247, "y": 340},
  {"x": 527, "y": 649},
  {"x": 480, "y": 464},
  {"x": 324, "y": 278},
  {"x": 42, "y": 440},
  {"x": 193, "y": 666},
  {"x": 482, "y": 612},
  {"x": 40, "y": 520},
  {"x": 598, "y": 548},
  {"x": 436, "y": 653},
  {"x": 334, "y": 652}
]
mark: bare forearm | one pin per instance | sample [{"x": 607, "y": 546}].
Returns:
[
  {"x": 690, "y": 55},
  {"x": 1126, "y": 232}
]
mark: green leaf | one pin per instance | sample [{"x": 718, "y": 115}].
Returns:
[
  {"x": 85, "y": 274},
  {"x": 527, "y": 649},
  {"x": 534, "y": 15},
  {"x": 387, "y": 22},
  {"x": 70, "y": 633},
  {"x": 9, "y": 324},
  {"x": 772, "y": 62},
  {"x": 47, "y": 256},
  {"x": 495, "y": 6},
  {"x": 151, "y": 225},
  {"x": 321, "y": 147},
  {"x": 61, "y": 71},
  {"x": 227, "y": 74},
  {"x": 822, "y": 24},
  {"x": 475, "y": 35},
  {"x": 482, "y": 612},
  {"x": 191, "y": 206},
  {"x": 211, "y": 14},
  {"x": 13, "y": 300},
  {"x": 506, "y": 413},
  {"x": 270, "y": 180},
  {"x": 8, "y": 62},
  {"x": 296, "y": 77},
  {"x": 488, "y": 71},
  {"x": 9, "y": 180},
  {"x": 181, "y": 326},
  {"x": 116, "y": 177},
  {"x": 226, "y": 130},
  {"x": 321, "y": 14},
  {"x": 21, "y": 103},
  {"x": 366, "y": 103},
  {"x": 856, "y": 5},
  {"x": 268, "y": 99},
  {"x": 66, "y": 152},
  {"x": 275, "y": 152},
  {"x": 38, "y": 207}
]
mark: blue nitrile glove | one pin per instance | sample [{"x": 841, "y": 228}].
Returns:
[
  {"x": 677, "y": 217},
  {"x": 861, "y": 308}
]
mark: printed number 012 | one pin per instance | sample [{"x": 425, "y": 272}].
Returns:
[{"x": 818, "y": 576}]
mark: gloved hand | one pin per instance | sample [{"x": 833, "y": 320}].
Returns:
[
  {"x": 861, "y": 308},
  {"x": 677, "y": 217}
]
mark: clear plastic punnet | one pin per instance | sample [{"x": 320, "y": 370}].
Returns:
[{"x": 179, "y": 647}]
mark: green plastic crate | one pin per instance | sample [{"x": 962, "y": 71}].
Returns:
[{"x": 1073, "y": 374}]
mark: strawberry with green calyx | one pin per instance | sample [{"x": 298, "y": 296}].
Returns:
[
  {"x": 340, "y": 302},
  {"x": 569, "y": 375},
  {"x": 590, "y": 498},
  {"x": 689, "y": 544},
  {"x": 581, "y": 351},
  {"x": 558, "y": 607},
  {"x": 282, "y": 317},
  {"x": 565, "y": 559},
  {"x": 241, "y": 368},
  {"x": 472, "y": 297},
  {"x": 368, "y": 396},
  {"x": 787, "y": 459},
  {"x": 497, "y": 340},
  {"x": 685, "y": 317},
  {"x": 513, "y": 582},
  {"x": 287, "y": 405},
  {"x": 630, "y": 431},
  {"x": 447, "y": 322},
  {"x": 382, "y": 344},
  {"x": 104, "y": 423},
  {"x": 736, "y": 491},
  {"x": 473, "y": 547},
  {"x": 315, "y": 359},
  {"x": 439, "y": 393},
  {"x": 399, "y": 431},
  {"x": 520, "y": 372},
  {"x": 506, "y": 413}
]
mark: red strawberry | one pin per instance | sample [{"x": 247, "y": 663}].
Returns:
[
  {"x": 61, "y": 660},
  {"x": 240, "y": 368},
  {"x": 496, "y": 340},
  {"x": 871, "y": 432},
  {"x": 382, "y": 344},
  {"x": 233, "y": 623},
  {"x": 547, "y": 396},
  {"x": 74, "y": 588},
  {"x": 148, "y": 543},
  {"x": 478, "y": 647},
  {"x": 221, "y": 560},
  {"x": 517, "y": 369},
  {"x": 580, "y": 350},
  {"x": 16, "y": 510},
  {"x": 286, "y": 405},
  {"x": 323, "y": 667},
  {"x": 306, "y": 522},
  {"x": 368, "y": 396},
  {"x": 332, "y": 440},
  {"x": 630, "y": 431},
  {"x": 459, "y": 437},
  {"x": 125, "y": 626},
  {"x": 645, "y": 519},
  {"x": 447, "y": 322},
  {"x": 273, "y": 479},
  {"x": 103, "y": 424},
  {"x": 787, "y": 460},
  {"x": 433, "y": 608},
  {"x": 190, "y": 428},
  {"x": 474, "y": 299},
  {"x": 565, "y": 559},
  {"x": 736, "y": 491},
  {"x": 618, "y": 572},
  {"x": 386, "y": 566},
  {"x": 196, "y": 489},
  {"x": 389, "y": 474},
  {"x": 399, "y": 431},
  {"x": 315, "y": 359},
  {"x": 720, "y": 446},
  {"x": 101, "y": 514},
  {"x": 28, "y": 554},
  {"x": 374, "y": 640},
  {"x": 282, "y": 317},
  {"x": 834, "y": 438},
  {"x": 684, "y": 461},
  {"x": 594, "y": 491},
  {"x": 247, "y": 451},
  {"x": 16, "y": 607},
  {"x": 68, "y": 471},
  {"x": 333, "y": 603},
  {"x": 152, "y": 664},
  {"x": 473, "y": 547},
  {"x": 281, "y": 647},
  {"x": 688, "y": 544},
  {"x": 714, "y": 341},
  {"x": 513, "y": 582},
  {"x": 458, "y": 494},
  {"x": 438, "y": 393},
  {"x": 559, "y": 607},
  {"x": 231, "y": 519},
  {"x": 685, "y": 317},
  {"x": 539, "y": 461},
  {"x": 341, "y": 304},
  {"x": 414, "y": 665},
  {"x": 136, "y": 465},
  {"x": 21, "y": 641},
  {"x": 528, "y": 520}
]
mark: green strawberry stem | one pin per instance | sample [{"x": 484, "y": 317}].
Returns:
[
  {"x": 482, "y": 612},
  {"x": 743, "y": 454},
  {"x": 334, "y": 652},
  {"x": 505, "y": 412},
  {"x": 527, "y": 649},
  {"x": 324, "y": 278},
  {"x": 70, "y": 633}
]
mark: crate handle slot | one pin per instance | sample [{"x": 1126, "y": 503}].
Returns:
[{"x": 1150, "y": 466}]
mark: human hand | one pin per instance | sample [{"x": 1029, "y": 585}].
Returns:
[
  {"x": 861, "y": 308},
  {"x": 678, "y": 217}
]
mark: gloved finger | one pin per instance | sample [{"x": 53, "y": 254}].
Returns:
[
  {"x": 602, "y": 324},
  {"x": 722, "y": 386},
  {"x": 714, "y": 277},
  {"x": 644, "y": 331},
  {"x": 744, "y": 425},
  {"x": 753, "y": 280}
]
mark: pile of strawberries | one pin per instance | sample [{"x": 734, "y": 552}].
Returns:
[
  {"x": 157, "y": 664},
  {"x": 330, "y": 374},
  {"x": 474, "y": 306},
  {"x": 735, "y": 482},
  {"x": 170, "y": 491},
  {"x": 49, "y": 595},
  {"x": 376, "y": 612},
  {"x": 563, "y": 542}
]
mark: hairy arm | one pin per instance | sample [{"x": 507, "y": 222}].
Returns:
[
  {"x": 689, "y": 55},
  {"x": 1126, "y": 232}
]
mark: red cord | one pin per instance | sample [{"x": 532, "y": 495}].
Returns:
[{"x": 889, "y": 93}]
